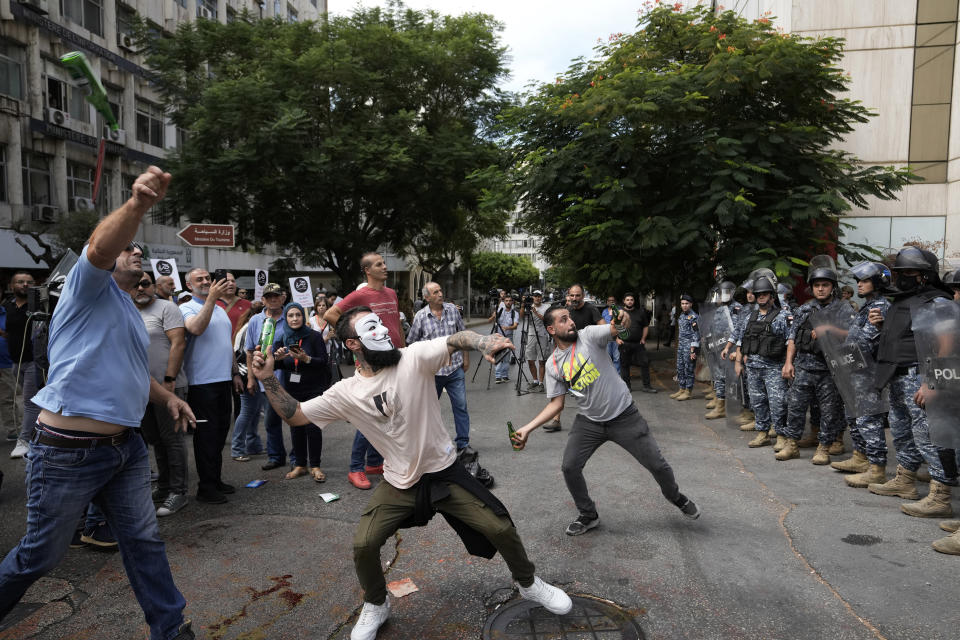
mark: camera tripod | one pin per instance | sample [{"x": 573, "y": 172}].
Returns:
[{"x": 522, "y": 349}]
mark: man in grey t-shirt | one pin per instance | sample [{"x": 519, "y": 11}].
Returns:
[
  {"x": 580, "y": 365},
  {"x": 168, "y": 342}
]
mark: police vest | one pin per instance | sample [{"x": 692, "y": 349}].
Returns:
[
  {"x": 759, "y": 338},
  {"x": 805, "y": 342},
  {"x": 898, "y": 347}
]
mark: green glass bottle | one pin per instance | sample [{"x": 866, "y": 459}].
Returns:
[
  {"x": 266, "y": 334},
  {"x": 510, "y": 432},
  {"x": 622, "y": 332}
]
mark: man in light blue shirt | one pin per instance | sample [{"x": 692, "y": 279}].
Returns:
[
  {"x": 82, "y": 450},
  {"x": 210, "y": 368}
]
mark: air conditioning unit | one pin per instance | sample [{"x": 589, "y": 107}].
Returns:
[
  {"x": 57, "y": 117},
  {"x": 203, "y": 12},
  {"x": 43, "y": 213},
  {"x": 127, "y": 42},
  {"x": 115, "y": 135},
  {"x": 82, "y": 204}
]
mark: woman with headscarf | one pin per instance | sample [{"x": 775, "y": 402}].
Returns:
[{"x": 302, "y": 355}]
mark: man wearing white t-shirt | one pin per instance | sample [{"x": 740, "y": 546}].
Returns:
[{"x": 393, "y": 401}]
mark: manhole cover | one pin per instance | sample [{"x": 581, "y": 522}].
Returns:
[{"x": 588, "y": 620}]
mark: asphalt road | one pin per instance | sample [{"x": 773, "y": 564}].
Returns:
[{"x": 783, "y": 550}]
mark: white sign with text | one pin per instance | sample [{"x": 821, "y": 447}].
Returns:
[
  {"x": 166, "y": 267},
  {"x": 302, "y": 293}
]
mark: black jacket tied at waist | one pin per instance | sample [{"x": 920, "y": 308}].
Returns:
[{"x": 434, "y": 487}]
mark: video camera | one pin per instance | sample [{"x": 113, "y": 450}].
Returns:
[{"x": 39, "y": 298}]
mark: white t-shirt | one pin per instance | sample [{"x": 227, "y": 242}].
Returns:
[{"x": 397, "y": 410}]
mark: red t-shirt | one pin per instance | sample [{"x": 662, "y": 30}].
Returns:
[
  {"x": 239, "y": 307},
  {"x": 383, "y": 303}
]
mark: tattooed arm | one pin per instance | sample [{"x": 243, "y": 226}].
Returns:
[
  {"x": 281, "y": 401},
  {"x": 487, "y": 345}
]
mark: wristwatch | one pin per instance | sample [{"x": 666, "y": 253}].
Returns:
[{"x": 169, "y": 378}]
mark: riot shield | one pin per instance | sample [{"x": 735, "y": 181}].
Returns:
[
  {"x": 735, "y": 392},
  {"x": 936, "y": 328},
  {"x": 716, "y": 327},
  {"x": 850, "y": 361}
]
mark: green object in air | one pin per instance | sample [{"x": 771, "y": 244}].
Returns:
[{"x": 76, "y": 63}]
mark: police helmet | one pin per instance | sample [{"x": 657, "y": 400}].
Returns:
[
  {"x": 952, "y": 278},
  {"x": 917, "y": 259},
  {"x": 822, "y": 267},
  {"x": 748, "y": 284},
  {"x": 876, "y": 272},
  {"x": 763, "y": 284},
  {"x": 727, "y": 289},
  {"x": 763, "y": 272}
]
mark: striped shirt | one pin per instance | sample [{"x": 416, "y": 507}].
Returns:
[{"x": 426, "y": 326}]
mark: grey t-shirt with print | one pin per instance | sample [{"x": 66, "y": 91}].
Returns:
[
  {"x": 585, "y": 368},
  {"x": 159, "y": 317}
]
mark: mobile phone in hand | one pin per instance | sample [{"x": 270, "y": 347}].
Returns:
[{"x": 219, "y": 274}]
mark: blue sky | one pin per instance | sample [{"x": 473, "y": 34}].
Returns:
[{"x": 543, "y": 37}]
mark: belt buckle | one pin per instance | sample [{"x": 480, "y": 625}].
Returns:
[{"x": 118, "y": 439}]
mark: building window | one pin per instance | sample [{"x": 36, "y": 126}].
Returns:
[
  {"x": 86, "y": 13},
  {"x": 79, "y": 184},
  {"x": 68, "y": 98},
  {"x": 292, "y": 15},
  {"x": 207, "y": 9},
  {"x": 36, "y": 179},
  {"x": 149, "y": 123},
  {"x": 933, "y": 58},
  {"x": 11, "y": 75}
]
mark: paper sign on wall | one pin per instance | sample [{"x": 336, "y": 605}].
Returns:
[
  {"x": 260, "y": 281},
  {"x": 166, "y": 267},
  {"x": 302, "y": 293}
]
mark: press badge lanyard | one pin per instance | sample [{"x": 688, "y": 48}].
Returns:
[
  {"x": 573, "y": 359},
  {"x": 295, "y": 374}
]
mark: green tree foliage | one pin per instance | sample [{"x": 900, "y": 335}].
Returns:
[
  {"x": 699, "y": 141},
  {"x": 335, "y": 138},
  {"x": 491, "y": 270}
]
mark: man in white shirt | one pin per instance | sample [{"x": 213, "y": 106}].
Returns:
[{"x": 392, "y": 400}]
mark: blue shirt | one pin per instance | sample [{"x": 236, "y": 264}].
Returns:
[
  {"x": 255, "y": 328},
  {"x": 98, "y": 351},
  {"x": 209, "y": 356},
  {"x": 5, "y": 361},
  {"x": 426, "y": 327}
]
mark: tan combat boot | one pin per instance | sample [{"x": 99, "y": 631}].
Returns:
[
  {"x": 778, "y": 444},
  {"x": 684, "y": 395},
  {"x": 950, "y": 526},
  {"x": 719, "y": 410},
  {"x": 745, "y": 416},
  {"x": 710, "y": 394},
  {"x": 749, "y": 426},
  {"x": 710, "y": 404},
  {"x": 761, "y": 440},
  {"x": 772, "y": 431},
  {"x": 810, "y": 440},
  {"x": 836, "y": 448},
  {"x": 790, "y": 450},
  {"x": 935, "y": 505},
  {"x": 822, "y": 455},
  {"x": 950, "y": 544},
  {"x": 875, "y": 474},
  {"x": 676, "y": 393},
  {"x": 857, "y": 464},
  {"x": 903, "y": 485}
]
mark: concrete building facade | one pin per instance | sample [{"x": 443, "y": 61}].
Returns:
[{"x": 49, "y": 134}]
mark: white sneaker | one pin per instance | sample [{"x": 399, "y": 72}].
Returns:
[
  {"x": 20, "y": 450},
  {"x": 372, "y": 617},
  {"x": 553, "y": 599}
]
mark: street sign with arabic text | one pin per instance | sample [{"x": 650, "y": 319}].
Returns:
[{"x": 208, "y": 235}]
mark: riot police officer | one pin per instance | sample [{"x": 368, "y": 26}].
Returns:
[
  {"x": 723, "y": 323},
  {"x": 762, "y": 349},
  {"x": 688, "y": 345},
  {"x": 917, "y": 283}
]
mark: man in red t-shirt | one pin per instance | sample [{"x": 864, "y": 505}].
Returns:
[
  {"x": 234, "y": 305},
  {"x": 383, "y": 301}
]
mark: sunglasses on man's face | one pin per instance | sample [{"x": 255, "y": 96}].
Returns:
[
  {"x": 134, "y": 245},
  {"x": 144, "y": 284}
]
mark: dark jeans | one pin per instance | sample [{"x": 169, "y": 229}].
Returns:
[
  {"x": 363, "y": 454},
  {"x": 274, "y": 426},
  {"x": 634, "y": 353},
  {"x": 159, "y": 431},
  {"x": 630, "y": 431},
  {"x": 211, "y": 402},
  {"x": 61, "y": 484},
  {"x": 307, "y": 445}
]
